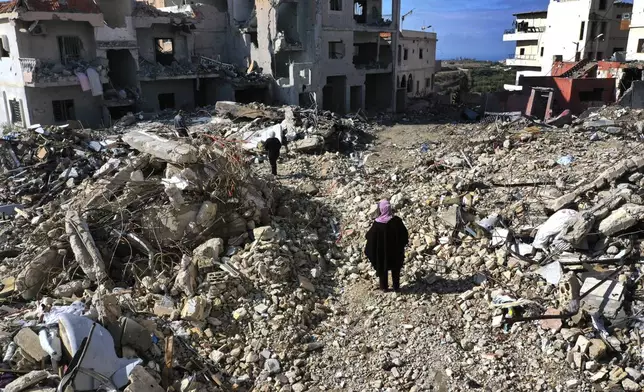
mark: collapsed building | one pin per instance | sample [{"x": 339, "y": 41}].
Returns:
[{"x": 93, "y": 62}]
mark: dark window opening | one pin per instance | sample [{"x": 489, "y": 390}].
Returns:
[
  {"x": 410, "y": 84},
  {"x": 557, "y": 57},
  {"x": 406, "y": 54},
  {"x": 64, "y": 110},
  {"x": 70, "y": 49},
  {"x": 16, "y": 113},
  {"x": 542, "y": 48},
  {"x": 399, "y": 53},
  {"x": 336, "y": 49},
  {"x": 600, "y": 56},
  {"x": 403, "y": 82},
  {"x": 335, "y": 5},
  {"x": 602, "y": 4},
  {"x": 589, "y": 56},
  {"x": 166, "y": 101},
  {"x": 593, "y": 30},
  {"x": 640, "y": 46},
  {"x": 581, "y": 32},
  {"x": 427, "y": 82},
  {"x": 4, "y": 46},
  {"x": 602, "y": 29},
  {"x": 618, "y": 50},
  {"x": 417, "y": 85},
  {"x": 359, "y": 11},
  {"x": 253, "y": 38},
  {"x": 164, "y": 50},
  {"x": 522, "y": 51},
  {"x": 420, "y": 54},
  {"x": 590, "y": 96}
]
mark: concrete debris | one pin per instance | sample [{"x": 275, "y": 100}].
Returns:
[
  {"x": 27, "y": 381},
  {"x": 238, "y": 280}
]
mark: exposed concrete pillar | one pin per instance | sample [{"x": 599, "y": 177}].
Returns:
[{"x": 394, "y": 47}]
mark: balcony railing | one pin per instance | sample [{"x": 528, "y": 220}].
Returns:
[
  {"x": 525, "y": 29},
  {"x": 513, "y": 56}
]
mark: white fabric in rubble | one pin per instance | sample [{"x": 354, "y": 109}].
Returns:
[
  {"x": 551, "y": 232},
  {"x": 95, "y": 82},
  {"x": 252, "y": 139}
]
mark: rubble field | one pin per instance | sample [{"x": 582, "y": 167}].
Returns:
[{"x": 133, "y": 259}]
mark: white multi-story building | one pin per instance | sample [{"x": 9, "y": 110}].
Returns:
[
  {"x": 635, "y": 47},
  {"x": 573, "y": 30},
  {"x": 528, "y": 31}
]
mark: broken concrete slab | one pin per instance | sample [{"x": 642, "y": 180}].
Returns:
[
  {"x": 85, "y": 250},
  {"x": 621, "y": 219},
  {"x": 168, "y": 150},
  {"x": 310, "y": 144},
  {"x": 206, "y": 254},
  {"x": 38, "y": 272},
  {"x": 194, "y": 309},
  {"x": 142, "y": 381},
  {"x": 605, "y": 299},
  {"x": 29, "y": 342},
  {"x": 27, "y": 381}
]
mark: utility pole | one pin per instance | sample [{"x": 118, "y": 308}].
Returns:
[{"x": 404, "y": 16}]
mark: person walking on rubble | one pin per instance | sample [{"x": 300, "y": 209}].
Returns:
[
  {"x": 386, "y": 241},
  {"x": 180, "y": 128},
  {"x": 272, "y": 147}
]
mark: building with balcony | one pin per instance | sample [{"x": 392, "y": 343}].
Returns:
[
  {"x": 570, "y": 30},
  {"x": 416, "y": 61},
  {"x": 528, "y": 31},
  {"x": 635, "y": 46}
]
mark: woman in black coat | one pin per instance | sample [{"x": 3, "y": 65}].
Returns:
[{"x": 386, "y": 241}]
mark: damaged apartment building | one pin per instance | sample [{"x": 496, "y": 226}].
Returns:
[{"x": 94, "y": 61}]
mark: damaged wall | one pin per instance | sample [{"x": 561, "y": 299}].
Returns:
[
  {"x": 11, "y": 81},
  {"x": 46, "y": 47},
  {"x": 86, "y": 108},
  {"x": 575, "y": 94},
  {"x": 146, "y": 39},
  {"x": 211, "y": 30},
  {"x": 183, "y": 90}
]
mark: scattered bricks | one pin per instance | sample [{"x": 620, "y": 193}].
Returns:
[
  {"x": 553, "y": 325},
  {"x": 28, "y": 341}
]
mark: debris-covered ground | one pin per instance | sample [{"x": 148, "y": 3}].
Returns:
[{"x": 210, "y": 274}]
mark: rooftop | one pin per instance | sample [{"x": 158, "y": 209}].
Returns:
[
  {"x": 545, "y": 12},
  {"x": 72, "y": 6}
]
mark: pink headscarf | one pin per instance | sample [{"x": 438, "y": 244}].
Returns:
[{"x": 385, "y": 212}]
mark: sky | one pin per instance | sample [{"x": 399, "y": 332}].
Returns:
[{"x": 468, "y": 28}]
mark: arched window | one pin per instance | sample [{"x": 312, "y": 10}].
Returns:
[
  {"x": 403, "y": 83},
  {"x": 410, "y": 84}
]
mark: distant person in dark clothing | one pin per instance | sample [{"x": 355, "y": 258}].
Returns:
[
  {"x": 386, "y": 241},
  {"x": 180, "y": 128},
  {"x": 273, "y": 146}
]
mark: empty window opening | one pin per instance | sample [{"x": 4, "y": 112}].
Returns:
[
  {"x": 590, "y": 96},
  {"x": 70, "y": 49},
  {"x": 403, "y": 82},
  {"x": 336, "y": 49},
  {"x": 417, "y": 85},
  {"x": 431, "y": 87},
  {"x": 427, "y": 82},
  {"x": 420, "y": 54},
  {"x": 16, "y": 113},
  {"x": 4, "y": 46},
  {"x": 557, "y": 57},
  {"x": 64, "y": 110},
  {"x": 287, "y": 22},
  {"x": 253, "y": 38},
  {"x": 542, "y": 49},
  {"x": 640, "y": 46},
  {"x": 356, "y": 98},
  {"x": 602, "y": 4},
  {"x": 164, "y": 50},
  {"x": 406, "y": 54},
  {"x": 600, "y": 56},
  {"x": 359, "y": 11},
  {"x": 166, "y": 101},
  {"x": 521, "y": 51},
  {"x": 581, "y": 32},
  {"x": 410, "y": 84},
  {"x": 335, "y": 5}
]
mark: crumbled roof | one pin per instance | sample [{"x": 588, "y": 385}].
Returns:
[{"x": 77, "y": 6}]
